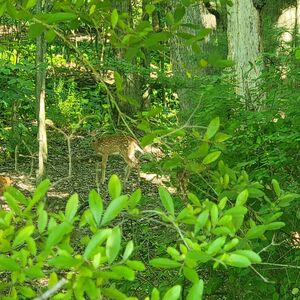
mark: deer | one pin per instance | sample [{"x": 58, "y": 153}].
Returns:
[
  {"x": 118, "y": 144},
  {"x": 4, "y": 182}
]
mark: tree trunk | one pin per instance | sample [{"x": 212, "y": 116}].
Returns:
[
  {"x": 244, "y": 47},
  {"x": 132, "y": 87},
  {"x": 40, "y": 98},
  {"x": 184, "y": 61}
]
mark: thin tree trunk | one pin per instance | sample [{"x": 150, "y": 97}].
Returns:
[{"x": 40, "y": 98}]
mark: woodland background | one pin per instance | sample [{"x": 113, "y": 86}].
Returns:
[{"x": 212, "y": 87}]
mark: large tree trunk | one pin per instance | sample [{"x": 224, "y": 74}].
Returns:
[
  {"x": 40, "y": 98},
  {"x": 244, "y": 47}
]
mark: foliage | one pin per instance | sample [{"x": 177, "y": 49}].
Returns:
[
  {"x": 40, "y": 249},
  {"x": 231, "y": 217}
]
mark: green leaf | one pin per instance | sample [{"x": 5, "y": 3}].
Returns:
[
  {"x": 231, "y": 244},
  {"x": 96, "y": 206},
  {"x": 114, "y": 187},
  {"x": 155, "y": 294},
  {"x": 12, "y": 203},
  {"x": 113, "y": 293},
  {"x": 128, "y": 250},
  {"x": 57, "y": 234},
  {"x": 2, "y": 8},
  {"x": 39, "y": 193},
  {"x": 23, "y": 234},
  {"x": 135, "y": 198},
  {"x": 216, "y": 245},
  {"x": 164, "y": 263},
  {"x": 212, "y": 128},
  {"x": 201, "y": 220},
  {"x": 19, "y": 196},
  {"x": 124, "y": 272},
  {"x": 42, "y": 220},
  {"x": 118, "y": 81},
  {"x": 113, "y": 244},
  {"x": 211, "y": 157},
  {"x": 196, "y": 291},
  {"x": 35, "y": 30},
  {"x": 8, "y": 264},
  {"x": 179, "y": 13},
  {"x": 198, "y": 256},
  {"x": 166, "y": 200},
  {"x": 251, "y": 255},
  {"x": 63, "y": 262},
  {"x": 135, "y": 265},
  {"x": 275, "y": 225},
  {"x": 236, "y": 211},
  {"x": 286, "y": 199},
  {"x": 190, "y": 274},
  {"x": 155, "y": 38},
  {"x": 194, "y": 199},
  {"x": 150, "y": 8},
  {"x": 71, "y": 207},
  {"x": 221, "y": 137},
  {"x": 113, "y": 209},
  {"x": 57, "y": 17},
  {"x": 173, "y": 293},
  {"x": 170, "y": 19},
  {"x": 34, "y": 272},
  {"x": 30, "y": 4},
  {"x": 26, "y": 291},
  {"x": 148, "y": 138},
  {"x": 214, "y": 214},
  {"x": 236, "y": 260},
  {"x": 297, "y": 53},
  {"x": 96, "y": 241},
  {"x": 276, "y": 187},
  {"x": 256, "y": 232},
  {"x": 242, "y": 198},
  {"x": 114, "y": 18},
  {"x": 50, "y": 35}
]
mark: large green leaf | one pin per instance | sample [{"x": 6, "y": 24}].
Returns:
[
  {"x": 113, "y": 209},
  {"x": 196, "y": 291},
  {"x": 211, "y": 157},
  {"x": 39, "y": 193},
  {"x": 71, "y": 207},
  {"x": 96, "y": 241},
  {"x": 57, "y": 234},
  {"x": 96, "y": 206},
  {"x": 114, "y": 18},
  {"x": 173, "y": 293},
  {"x": 212, "y": 128},
  {"x": 113, "y": 244},
  {"x": 8, "y": 264},
  {"x": 114, "y": 187},
  {"x": 23, "y": 234},
  {"x": 166, "y": 200},
  {"x": 164, "y": 263}
]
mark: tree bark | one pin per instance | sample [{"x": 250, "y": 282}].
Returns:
[
  {"x": 244, "y": 47},
  {"x": 40, "y": 98},
  {"x": 184, "y": 61}
]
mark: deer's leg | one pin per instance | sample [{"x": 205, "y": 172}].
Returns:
[
  {"x": 132, "y": 162},
  {"x": 103, "y": 167},
  {"x": 127, "y": 173}
]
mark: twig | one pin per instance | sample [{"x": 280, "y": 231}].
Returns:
[
  {"x": 53, "y": 290},
  {"x": 261, "y": 276}
]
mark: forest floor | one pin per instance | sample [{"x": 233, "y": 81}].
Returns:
[{"x": 84, "y": 169}]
